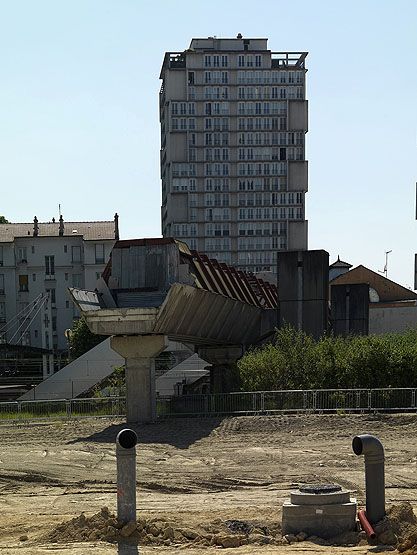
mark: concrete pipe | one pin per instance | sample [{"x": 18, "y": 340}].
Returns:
[
  {"x": 126, "y": 441},
  {"x": 373, "y": 451}
]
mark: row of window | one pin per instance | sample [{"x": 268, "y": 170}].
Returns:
[
  {"x": 223, "y": 108},
  {"x": 223, "y": 124},
  {"x": 262, "y": 228},
  {"x": 222, "y": 184},
  {"x": 273, "y": 138},
  {"x": 262, "y": 124},
  {"x": 248, "y": 60},
  {"x": 267, "y": 213},
  {"x": 270, "y": 77},
  {"x": 261, "y": 257},
  {"x": 262, "y": 108},
  {"x": 21, "y": 255},
  {"x": 223, "y": 154},
  {"x": 247, "y": 199},
  {"x": 218, "y": 244},
  {"x": 248, "y": 77},
  {"x": 270, "y": 138},
  {"x": 243, "y": 93},
  {"x": 216, "y": 60},
  {"x": 49, "y": 272}
]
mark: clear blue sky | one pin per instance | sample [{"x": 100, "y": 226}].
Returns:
[{"x": 79, "y": 112}]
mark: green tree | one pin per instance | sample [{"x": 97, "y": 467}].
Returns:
[
  {"x": 81, "y": 339},
  {"x": 295, "y": 361},
  {"x": 3, "y": 220}
]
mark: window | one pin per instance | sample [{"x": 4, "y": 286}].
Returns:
[
  {"x": 76, "y": 280},
  {"x": 50, "y": 265},
  {"x": 23, "y": 283},
  {"x": 1, "y": 255},
  {"x": 76, "y": 254},
  {"x": 99, "y": 247},
  {"x": 2, "y": 311},
  {"x": 52, "y": 296},
  {"x": 22, "y": 256},
  {"x": 1, "y": 284}
]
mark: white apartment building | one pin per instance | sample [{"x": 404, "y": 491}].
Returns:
[
  {"x": 234, "y": 175},
  {"x": 38, "y": 262}
]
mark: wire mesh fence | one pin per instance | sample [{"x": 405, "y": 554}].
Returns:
[{"x": 257, "y": 402}]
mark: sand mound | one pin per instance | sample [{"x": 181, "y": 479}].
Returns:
[
  {"x": 104, "y": 526},
  {"x": 398, "y": 528}
]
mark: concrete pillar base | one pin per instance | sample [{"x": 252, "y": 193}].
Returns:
[
  {"x": 223, "y": 375},
  {"x": 139, "y": 352}
]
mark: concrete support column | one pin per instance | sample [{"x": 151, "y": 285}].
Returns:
[
  {"x": 139, "y": 352},
  {"x": 223, "y": 376}
]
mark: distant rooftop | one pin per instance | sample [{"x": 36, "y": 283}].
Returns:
[
  {"x": 340, "y": 264},
  {"x": 90, "y": 231},
  {"x": 279, "y": 60}
]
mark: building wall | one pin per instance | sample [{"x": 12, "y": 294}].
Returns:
[
  {"x": 76, "y": 262},
  {"x": 392, "y": 319},
  {"x": 234, "y": 176}
]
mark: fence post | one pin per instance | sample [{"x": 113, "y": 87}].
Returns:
[
  {"x": 358, "y": 399},
  {"x": 68, "y": 407},
  {"x": 263, "y": 401},
  {"x": 314, "y": 400},
  {"x": 369, "y": 399},
  {"x": 413, "y": 399}
]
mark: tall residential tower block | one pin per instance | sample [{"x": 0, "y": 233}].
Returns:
[{"x": 234, "y": 176}]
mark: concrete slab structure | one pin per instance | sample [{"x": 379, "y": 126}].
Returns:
[{"x": 157, "y": 288}]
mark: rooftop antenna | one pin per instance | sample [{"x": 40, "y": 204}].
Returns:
[
  {"x": 385, "y": 270},
  {"x": 59, "y": 210}
]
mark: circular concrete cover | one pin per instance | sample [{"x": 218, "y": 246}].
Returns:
[{"x": 320, "y": 488}]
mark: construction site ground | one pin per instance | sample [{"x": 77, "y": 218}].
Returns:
[{"x": 191, "y": 472}]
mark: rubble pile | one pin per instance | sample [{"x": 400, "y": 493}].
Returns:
[{"x": 104, "y": 526}]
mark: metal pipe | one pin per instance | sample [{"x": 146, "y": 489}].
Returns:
[
  {"x": 126, "y": 441},
  {"x": 373, "y": 451},
  {"x": 366, "y": 526}
]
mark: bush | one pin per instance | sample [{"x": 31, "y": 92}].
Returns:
[{"x": 296, "y": 361}]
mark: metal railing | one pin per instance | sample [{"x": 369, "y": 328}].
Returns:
[
  {"x": 256, "y": 402},
  {"x": 62, "y": 408},
  {"x": 287, "y": 401}
]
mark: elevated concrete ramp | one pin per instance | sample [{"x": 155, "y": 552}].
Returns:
[{"x": 79, "y": 375}]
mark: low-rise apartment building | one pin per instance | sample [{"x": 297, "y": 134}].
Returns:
[{"x": 38, "y": 262}]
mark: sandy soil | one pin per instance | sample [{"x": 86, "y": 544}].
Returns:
[{"x": 190, "y": 471}]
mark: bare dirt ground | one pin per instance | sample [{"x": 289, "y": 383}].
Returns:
[{"x": 190, "y": 473}]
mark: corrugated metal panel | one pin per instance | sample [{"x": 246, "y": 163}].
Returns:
[
  {"x": 134, "y": 299},
  {"x": 85, "y": 300},
  {"x": 205, "y": 317}
]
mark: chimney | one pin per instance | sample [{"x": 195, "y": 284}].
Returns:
[
  {"x": 61, "y": 226},
  {"x": 116, "y": 226},
  {"x": 35, "y": 227}
]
